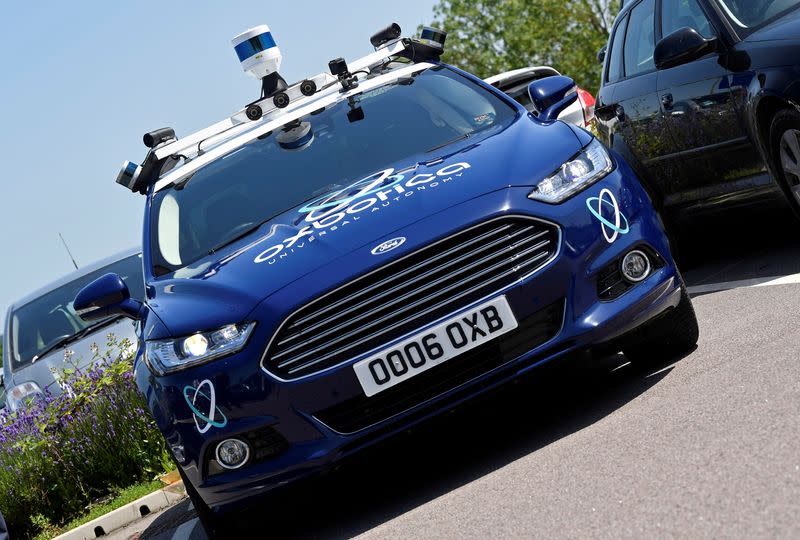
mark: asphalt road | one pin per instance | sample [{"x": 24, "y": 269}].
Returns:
[{"x": 705, "y": 446}]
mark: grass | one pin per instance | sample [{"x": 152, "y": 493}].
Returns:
[{"x": 121, "y": 498}]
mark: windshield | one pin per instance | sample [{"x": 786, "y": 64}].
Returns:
[
  {"x": 410, "y": 120},
  {"x": 750, "y": 14},
  {"x": 50, "y": 318}
]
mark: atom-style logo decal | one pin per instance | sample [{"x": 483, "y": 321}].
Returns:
[
  {"x": 619, "y": 225},
  {"x": 209, "y": 400}
]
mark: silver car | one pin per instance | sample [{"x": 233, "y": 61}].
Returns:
[
  {"x": 43, "y": 334},
  {"x": 515, "y": 84}
]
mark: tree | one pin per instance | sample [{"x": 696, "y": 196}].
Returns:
[{"x": 487, "y": 37}]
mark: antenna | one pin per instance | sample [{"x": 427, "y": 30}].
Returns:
[{"x": 68, "y": 251}]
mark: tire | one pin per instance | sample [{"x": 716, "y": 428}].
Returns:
[
  {"x": 785, "y": 153},
  {"x": 669, "y": 335},
  {"x": 216, "y": 526}
]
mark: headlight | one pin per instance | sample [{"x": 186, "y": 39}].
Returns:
[
  {"x": 589, "y": 166},
  {"x": 23, "y": 393},
  {"x": 168, "y": 355}
]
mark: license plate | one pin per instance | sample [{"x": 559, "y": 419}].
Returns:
[{"x": 439, "y": 344}]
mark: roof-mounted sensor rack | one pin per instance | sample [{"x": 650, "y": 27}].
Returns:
[{"x": 261, "y": 57}]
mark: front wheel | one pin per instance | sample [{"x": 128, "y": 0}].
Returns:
[
  {"x": 669, "y": 335},
  {"x": 785, "y": 148}
]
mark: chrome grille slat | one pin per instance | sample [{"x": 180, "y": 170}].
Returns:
[
  {"x": 409, "y": 293},
  {"x": 400, "y": 290},
  {"x": 387, "y": 318},
  {"x": 397, "y": 276},
  {"x": 407, "y": 319}
]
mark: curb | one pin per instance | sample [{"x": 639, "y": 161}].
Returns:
[{"x": 125, "y": 515}]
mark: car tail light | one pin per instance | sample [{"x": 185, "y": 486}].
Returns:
[{"x": 587, "y": 104}]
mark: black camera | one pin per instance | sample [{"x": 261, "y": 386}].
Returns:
[
  {"x": 385, "y": 35},
  {"x": 338, "y": 67}
]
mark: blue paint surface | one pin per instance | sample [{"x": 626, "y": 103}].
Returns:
[{"x": 265, "y": 277}]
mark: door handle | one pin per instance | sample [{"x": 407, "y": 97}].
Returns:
[{"x": 666, "y": 101}]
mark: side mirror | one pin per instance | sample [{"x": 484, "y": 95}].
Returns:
[
  {"x": 601, "y": 54},
  {"x": 107, "y": 295},
  {"x": 682, "y": 46},
  {"x": 551, "y": 95}
]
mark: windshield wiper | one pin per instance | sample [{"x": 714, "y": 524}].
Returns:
[
  {"x": 239, "y": 236},
  {"x": 75, "y": 337},
  {"x": 57, "y": 345},
  {"x": 448, "y": 143}
]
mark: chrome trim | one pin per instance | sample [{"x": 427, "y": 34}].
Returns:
[
  {"x": 472, "y": 380},
  {"x": 396, "y": 261},
  {"x": 398, "y": 275},
  {"x": 240, "y": 465},
  {"x": 422, "y": 287},
  {"x": 646, "y": 273},
  {"x": 406, "y": 319}
]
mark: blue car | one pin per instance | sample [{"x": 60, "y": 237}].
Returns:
[{"x": 335, "y": 264}]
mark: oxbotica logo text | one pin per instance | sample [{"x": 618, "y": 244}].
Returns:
[
  {"x": 334, "y": 211},
  {"x": 389, "y": 245}
]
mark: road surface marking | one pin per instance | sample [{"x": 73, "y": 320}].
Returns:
[{"x": 754, "y": 282}]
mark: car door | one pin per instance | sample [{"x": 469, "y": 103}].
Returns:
[
  {"x": 713, "y": 153},
  {"x": 628, "y": 108}
]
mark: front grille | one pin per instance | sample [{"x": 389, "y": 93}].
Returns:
[
  {"x": 610, "y": 282},
  {"x": 362, "y": 411},
  {"x": 410, "y": 292}
]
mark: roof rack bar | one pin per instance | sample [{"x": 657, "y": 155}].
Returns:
[
  {"x": 378, "y": 56},
  {"x": 256, "y": 129},
  {"x": 196, "y": 138},
  {"x": 239, "y": 122}
]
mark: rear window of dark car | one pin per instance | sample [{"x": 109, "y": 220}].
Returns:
[
  {"x": 615, "y": 71},
  {"x": 640, "y": 39},
  {"x": 749, "y": 14}
]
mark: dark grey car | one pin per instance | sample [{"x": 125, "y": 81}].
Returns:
[{"x": 43, "y": 334}]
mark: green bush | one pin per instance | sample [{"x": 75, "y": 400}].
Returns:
[{"x": 61, "y": 453}]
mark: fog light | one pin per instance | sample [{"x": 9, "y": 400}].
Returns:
[
  {"x": 232, "y": 453},
  {"x": 635, "y": 266}
]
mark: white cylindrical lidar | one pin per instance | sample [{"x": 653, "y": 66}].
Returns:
[{"x": 257, "y": 51}]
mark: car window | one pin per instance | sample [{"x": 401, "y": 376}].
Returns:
[
  {"x": 44, "y": 321},
  {"x": 676, "y": 14},
  {"x": 521, "y": 95},
  {"x": 519, "y": 88},
  {"x": 640, "y": 39},
  {"x": 615, "y": 58},
  {"x": 399, "y": 122},
  {"x": 751, "y": 14},
  {"x": 519, "y": 91}
]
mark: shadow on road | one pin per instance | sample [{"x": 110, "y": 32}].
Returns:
[
  {"x": 450, "y": 451},
  {"x": 751, "y": 243}
]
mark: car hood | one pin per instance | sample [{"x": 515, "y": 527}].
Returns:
[
  {"x": 224, "y": 288},
  {"x": 786, "y": 27}
]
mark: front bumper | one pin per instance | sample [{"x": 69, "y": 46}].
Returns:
[{"x": 294, "y": 411}]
